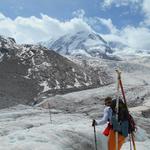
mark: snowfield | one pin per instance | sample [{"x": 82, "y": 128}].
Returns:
[
  {"x": 27, "y": 128},
  {"x": 66, "y": 125}
]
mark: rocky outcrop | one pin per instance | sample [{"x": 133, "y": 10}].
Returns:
[{"x": 28, "y": 71}]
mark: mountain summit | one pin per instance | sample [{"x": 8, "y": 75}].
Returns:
[{"x": 82, "y": 43}]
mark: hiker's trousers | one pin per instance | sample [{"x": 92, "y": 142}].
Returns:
[{"x": 112, "y": 140}]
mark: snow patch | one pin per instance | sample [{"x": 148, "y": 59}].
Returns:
[
  {"x": 57, "y": 85},
  {"x": 45, "y": 85},
  {"x": 46, "y": 64},
  {"x": 1, "y": 56},
  {"x": 77, "y": 84}
]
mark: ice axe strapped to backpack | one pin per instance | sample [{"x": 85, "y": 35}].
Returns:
[{"x": 131, "y": 125}]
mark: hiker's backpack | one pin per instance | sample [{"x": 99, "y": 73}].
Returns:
[
  {"x": 132, "y": 125},
  {"x": 125, "y": 123}
]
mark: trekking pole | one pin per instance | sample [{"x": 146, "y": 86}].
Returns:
[
  {"x": 130, "y": 141},
  {"x": 123, "y": 94},
  {"x": 50, "y": 116},
  {"x": 95, "y": 138},
  {"x": 133, "y": 141}
]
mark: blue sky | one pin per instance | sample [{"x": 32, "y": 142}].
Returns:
[
  {"x": 115, "y": 20},
  {"x": 63, "y": 9}
]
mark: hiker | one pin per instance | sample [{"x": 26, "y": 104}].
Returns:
[{"x": 109, "y": 131}]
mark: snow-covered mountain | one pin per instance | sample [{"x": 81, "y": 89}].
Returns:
[
  {"x": 30, "y": 70},
  {"x": 82, "y": 43}
]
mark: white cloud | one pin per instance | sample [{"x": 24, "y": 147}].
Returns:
[
  {"x": 79, "y": 13},
  {"x": 33, "y": 29},
  {"x": 107, "y": 3},
  {"x": 108, "y": 23},
  {"x": 2, "y": 16},
  {"x": 146, "y": 7},
  {"x": 133, "y": 6},
  {"x": 118, "y": 3},
  {"x": 136, "y": 5},
  {"x": 146, "y": 10},
  {"x": 114, "y": 38},
  {"x": 137, "y": 38}
]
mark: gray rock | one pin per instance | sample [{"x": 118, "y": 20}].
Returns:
[{"x": 29, "y": 71}]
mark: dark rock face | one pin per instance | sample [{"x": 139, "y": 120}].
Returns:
[
  {"x": 14, "y": 88},
  {"x": 28, "y": 71},
  {"x": 146, "y": 113}
]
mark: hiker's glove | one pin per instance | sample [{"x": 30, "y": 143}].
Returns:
[{"x": 93, "y": 123}]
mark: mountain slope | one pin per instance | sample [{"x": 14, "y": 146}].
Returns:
[{"x": 28, "y": 71}]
